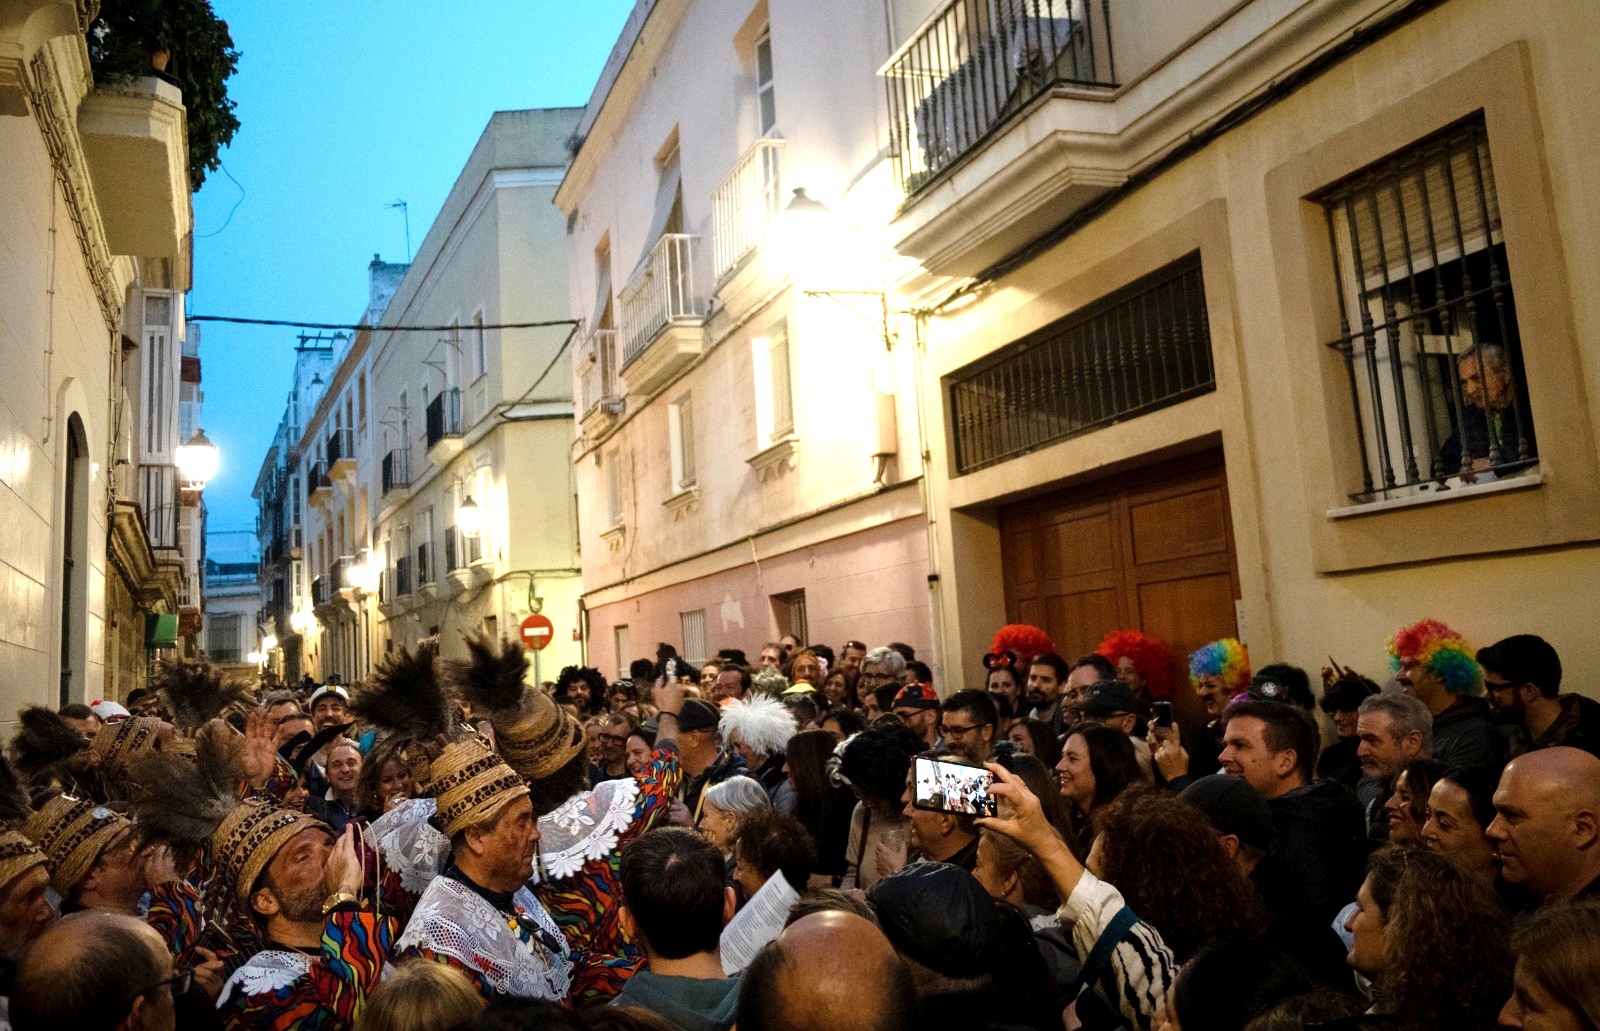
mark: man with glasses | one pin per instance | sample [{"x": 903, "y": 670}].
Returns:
[
  {"x": 97, "y": 971},
  {"x": 1113, "y": 704},
  {"x": 879, "y": 667},
  {"x": 967, "y": 722},
  {"x": 917, "y": 706},
  {"x": 614, "y": 734}
]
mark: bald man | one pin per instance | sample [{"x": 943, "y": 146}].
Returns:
[
  {"x": 95, "y": 971},
  {"x": 1546, "y": 830},
  {"x": 831, "y": 971}
]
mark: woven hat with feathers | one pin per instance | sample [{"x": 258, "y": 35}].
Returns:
[
  {"x": 471, "y": 784},
  {"x": 405, "y": 700},
  {"x": 74, "y": 833},
  {"x": 118, "y": 744},
  {"x": 196, "y": 694},
  {"x": 536, "y": 736},
  {"x": 194, "y": 805},
  {"x": 18, "y": 855}
]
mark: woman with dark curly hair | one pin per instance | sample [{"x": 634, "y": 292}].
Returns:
[
  {"x": 1150, "y": 841},
  {"x": 1097, "y": 764},
  {"x": 384, "y": 780},
  {"x": 875, "y": 763},
  {"x": 1434, "y": 939}
]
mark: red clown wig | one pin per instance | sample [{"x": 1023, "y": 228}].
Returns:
[{"x": 1148, "y": 655}]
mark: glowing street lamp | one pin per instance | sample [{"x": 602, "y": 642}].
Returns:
[
  {"x": 197, "y": 460},
  {"x": 269, "y": 642},
  {"x": 254, "y": 658},
  {"x": 300, "y": 621},
  {"x": 469, "y": 518},
  {"x": 361, "y": 576}
]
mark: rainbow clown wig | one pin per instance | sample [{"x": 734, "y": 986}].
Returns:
[
  {"x": 1227, "y": 660},
  {"x": 1024, "y": 641},
  {"x": 1440, "y": 652},
  {"x": 1148, "y": 655}
]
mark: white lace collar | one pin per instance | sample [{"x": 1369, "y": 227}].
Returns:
[
  {"x": 585, "y": 827},
  {"x": 269, "y": 970},
  {"x": 453, "y": 920}
]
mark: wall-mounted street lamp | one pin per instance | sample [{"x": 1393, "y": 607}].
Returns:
[
  {"x": 197, "y": 460},
  {"x": 469, "y": 518},
  {"x": 269, "y": 643},
  {"x": 300, "y": 621},
  {"x": 362, "y": 576}
]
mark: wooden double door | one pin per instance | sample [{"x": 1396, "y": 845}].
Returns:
[{"x": 1149, "y": 550}]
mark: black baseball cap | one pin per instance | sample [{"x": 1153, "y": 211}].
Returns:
[
  {"x": 698, "y": 714},
  {"x": 1108, "y": 698},
  {"x": 1232, "y": 807}
]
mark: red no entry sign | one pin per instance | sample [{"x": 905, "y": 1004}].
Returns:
[{"x": 537, "y": 632}]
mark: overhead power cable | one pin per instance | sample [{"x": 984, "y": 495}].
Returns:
[{"x": 295, "y": 324}]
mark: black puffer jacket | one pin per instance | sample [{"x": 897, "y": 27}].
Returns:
[{"x": 1319, "y": 838}]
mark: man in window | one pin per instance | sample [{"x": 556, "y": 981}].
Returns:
[{"x": 1489, "y": 420}]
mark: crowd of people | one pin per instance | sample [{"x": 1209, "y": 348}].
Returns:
[{"x": 446, "y": 845}]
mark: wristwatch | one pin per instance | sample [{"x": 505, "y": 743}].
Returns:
[{"x": 337, "y": 899}]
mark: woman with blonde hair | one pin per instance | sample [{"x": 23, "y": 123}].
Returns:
[
  {"x": 421, "y": 996},
  {"x": 1557, "y": 979}
]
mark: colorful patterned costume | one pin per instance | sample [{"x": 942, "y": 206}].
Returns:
[
  {"x": 283, "y": 989},
  {"x": 176, "y": 915},
  {"x": 581, "y": 858}
]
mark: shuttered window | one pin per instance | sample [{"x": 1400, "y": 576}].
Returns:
[
  {"x": 782, "y": 384},
  {"x": 694, "y": 636}
]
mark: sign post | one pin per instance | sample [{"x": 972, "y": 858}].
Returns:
[{"x": 537, "y": 633}]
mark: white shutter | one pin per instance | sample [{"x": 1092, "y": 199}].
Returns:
[
  {"x": 782, "y": 384},
  {"x": 694, "y": 636}
]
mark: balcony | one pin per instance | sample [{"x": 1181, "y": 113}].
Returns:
[
  {"x": 319, "y": 591},
  {"x": 444, "y": 426},
  {"x": 662, "y": 315},
  {"x": 746, "y": 206},
  {"x": 463, "y": 559},
  {"x": 136, "y": 145},
  {"x": 319, "y": 486},
  {"x": 341, "y": 454},
  {"x": 402, "y": 576},
  {"x": 396, "y": 470},
  {"x": 426, "y": 581},
  {"x": 602, "y": 391}
]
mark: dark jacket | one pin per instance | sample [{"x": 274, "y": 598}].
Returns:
[
  {"x": 689, "y": 1003},
  {"x": 1295, "y": 929},
  {"x": 727, "y": 764},
  {"x": 1466, "y": 735},
  {"x": 1318, "y": 836},
  {"x": 1478, "y": 430},
  {"x": 1339, "y": 762},
  {"x": 1578, "y": 726}
]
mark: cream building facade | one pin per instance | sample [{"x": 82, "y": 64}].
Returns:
[
  {"x": 1200, "y": 289},
  {"x": 749, "y": 462},
  {"x": 96, "y": 264},
  {"x": 473, "y": 424}
]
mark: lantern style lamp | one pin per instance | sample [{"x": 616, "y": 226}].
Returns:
[
  {"x": 197, "y": 460},
  {"x": 469, "y": 518}
]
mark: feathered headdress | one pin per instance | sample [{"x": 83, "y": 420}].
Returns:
[
  {"x": 1024, "y": 641},
  {"x": 406, "y": 701},
  {"x": 14, "y": 807},
  {"x": 1442, "y": 652},
  {"x": 196, "y": 694},
  {"x": 180, "y": 801},
  {"x": 758, "y": 722},
  {"x": 535, "y": 736},
  {"x": 1227, "y": 660},
  {"x": 1148, "y": 655},
  {"x": 44, "y": 743}
]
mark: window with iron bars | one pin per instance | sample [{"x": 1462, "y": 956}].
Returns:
[
  {"x": 1143, "y": 348},
  {"x": 1428, "y": 330}
]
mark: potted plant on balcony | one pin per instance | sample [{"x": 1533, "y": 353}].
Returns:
[{"x": 127, "y": 40}]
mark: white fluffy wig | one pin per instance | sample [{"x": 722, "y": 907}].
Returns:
[{"x": 760, "y": 723}]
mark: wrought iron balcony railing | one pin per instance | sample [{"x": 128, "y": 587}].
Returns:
[
  {"x": 444, "y": 416},
  {"x": 396, "y": 469},
  {"x": 747, "y": 205},
  {"x": 662, "y": 292}
]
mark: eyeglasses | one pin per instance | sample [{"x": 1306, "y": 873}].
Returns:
[
  {"x": 179, "y": 983},
  {"x": 952, "y": 730},
  {"x": 907, "y": 715},
  {"x": 865, "y": 676},
  {"x": 614, "y": 738}
]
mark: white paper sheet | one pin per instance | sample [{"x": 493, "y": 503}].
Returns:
[{"x": 759, "y": 922}]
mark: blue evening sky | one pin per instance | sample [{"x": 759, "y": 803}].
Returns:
[{"x": 345, "y": 107}]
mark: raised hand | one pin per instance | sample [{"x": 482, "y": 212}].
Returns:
[
  {"x": 158, "y": 865},
  {"x": 343, "y": 872},
  {"x": 1023, "y": 821},
  {"x": 260, "y": 748},
  {"x": 669, "y": 697}
]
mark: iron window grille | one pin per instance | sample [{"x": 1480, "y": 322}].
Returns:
[
  {"x": 1427, "y": 322},
  {"x": 1143, "y": 348}
]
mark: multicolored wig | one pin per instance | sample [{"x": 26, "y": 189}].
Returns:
[
  {"x": 1440, "y": 651},
  {"x": 1024, "y": 641},
  {"x": 1227, "y": 660},
  {"x": 1148, "y": 655}
]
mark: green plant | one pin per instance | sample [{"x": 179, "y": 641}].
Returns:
[{"x": 126, "y": 33}]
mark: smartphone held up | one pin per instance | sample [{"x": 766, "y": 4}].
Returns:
[{"x": 947, "y": 787}]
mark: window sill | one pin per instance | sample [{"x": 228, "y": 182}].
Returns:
[
  {"x": 770, "y": 463},
  {"x": 1521, "y": 481},
  {"x": 685, "y": 502},
  {"x": 614, "y": 536}
]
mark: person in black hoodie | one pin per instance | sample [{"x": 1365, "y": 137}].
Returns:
[{"x": 1318, "y": 828}]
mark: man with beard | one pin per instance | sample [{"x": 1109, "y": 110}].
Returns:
[
  {"x": 300, "y": 886},
  {"x": 581, "y": 686},
  {"x": 1523, "y": 676},
  {"x": 479, "y": 916},
  {"x": 25, "y": 911},
  {"x": 1047, "y": 676}
]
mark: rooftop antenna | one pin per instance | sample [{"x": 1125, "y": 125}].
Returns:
[{"x": 405, "y": 211}]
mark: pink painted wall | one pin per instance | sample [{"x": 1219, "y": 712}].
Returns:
[{"x": 871, "y": 586}]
